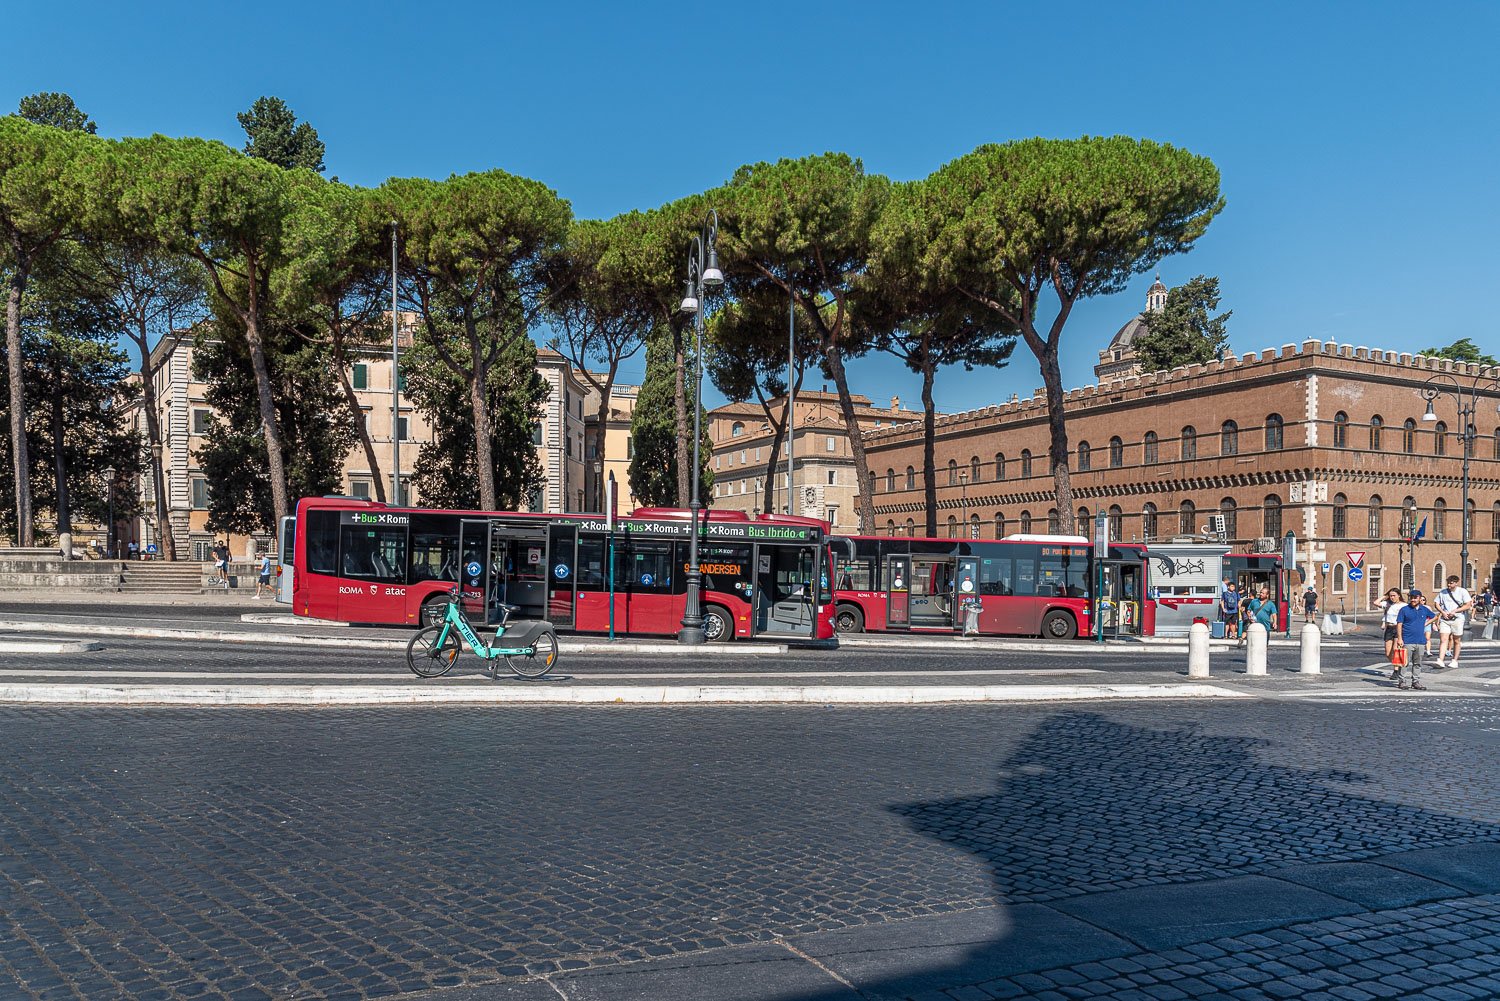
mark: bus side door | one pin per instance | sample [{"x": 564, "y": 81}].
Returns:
[{"x": 898, "y": 593}]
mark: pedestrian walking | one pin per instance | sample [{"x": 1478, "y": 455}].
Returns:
[
  {"x": 1229, "y": 609},
  {"x": 1390, "y": 608},
  {"x": 221, "y": 563},
  {"x": 1263, "y": 609},
  {"x": 263, "y": 581},
  {"x": 1309, "y": 604},
  {"x": 1415, "y": 622},
  {"x": 1454, "y": 604}
]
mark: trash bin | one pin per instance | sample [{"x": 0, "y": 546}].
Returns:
[{"x": 971, "y": 618}]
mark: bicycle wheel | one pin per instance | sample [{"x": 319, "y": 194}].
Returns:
[
  {"x": 539, "y": 661},
  {"x": 428, "y": 659}
]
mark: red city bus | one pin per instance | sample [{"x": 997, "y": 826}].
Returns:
[
  {"x": 1250, "y": 570},
  {"x": 361, "y": 561},
  {"x": 1025, "y": 586}
]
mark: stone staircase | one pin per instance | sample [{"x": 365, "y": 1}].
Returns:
[{"x": 160, "y": 577}]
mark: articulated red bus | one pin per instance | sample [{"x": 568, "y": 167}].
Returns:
[
  {"x": 361, "y": 561},
  {"x": 1027, "y": 585}
]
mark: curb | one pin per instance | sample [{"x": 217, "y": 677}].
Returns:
[
  {"x": 540, "y": 693},
  {"x": 47, "y": 646},
  {"x": 565, "y": 644}
]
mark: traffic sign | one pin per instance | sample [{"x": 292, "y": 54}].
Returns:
[
  {"x": 1355, "y": 559},
  {"x": 1355, "y": 573},
  {"x": 1327, "y": 567}
]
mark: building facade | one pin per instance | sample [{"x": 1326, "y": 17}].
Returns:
[
  {"x": 824, "y": 484},
  {"x": 1325, "y": 440}
]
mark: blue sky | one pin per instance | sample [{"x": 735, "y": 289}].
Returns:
[{"x": 1357, "y": 141}]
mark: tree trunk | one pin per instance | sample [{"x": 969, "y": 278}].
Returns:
[
  {"x": 929, "y": 461},
  {"x": 59, "y": 463},
  {"x": 340, "y": 367},
  {"x": 1061, "y": 479},
  {"x": 19, "y": 457},
  {"x": 153, "y": 440},
  {"x": 768, "y": 503},
  {"x": 835, "y": 363},
  {"x": 600, "y": 430},
  {"x": 484, "y": 456},
  {"x": 684, "y": 428},
  {"x": 280, "y": 496}
]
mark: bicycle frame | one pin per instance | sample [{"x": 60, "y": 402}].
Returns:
[{"x": 454, "y": 618}]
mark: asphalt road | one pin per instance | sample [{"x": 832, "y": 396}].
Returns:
[{"x": 1241, "y": 849}]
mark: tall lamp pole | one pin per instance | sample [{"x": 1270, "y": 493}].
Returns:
[
  {"x": 109, "y": 528},
  {"x": 700, "y": 280},
  {"x": 1465, "y": 394},
  {"x": 963, "y": 482},
  {"x": 395, "y": 381}
]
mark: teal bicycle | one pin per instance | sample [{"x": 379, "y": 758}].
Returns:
[{"x": 529, "y": 646}]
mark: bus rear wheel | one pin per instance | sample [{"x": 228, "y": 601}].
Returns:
[
  {"x": 1059, "y": 626},
  {"x": 718, "y": 627},
  {"x": 848, "y": 619}
]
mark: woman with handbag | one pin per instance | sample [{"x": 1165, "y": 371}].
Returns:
[{"x": 1391, "y": 606}]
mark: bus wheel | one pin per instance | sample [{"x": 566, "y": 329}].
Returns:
[
  {"x": 1058, "y": 625},
  {"x": 848, "y": 619},
  {"x": 718, "y": 627},
  {"x": 433, "y": 610}
]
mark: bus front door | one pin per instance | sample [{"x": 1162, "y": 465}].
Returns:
[
  {"x": 562, "y": 562},
  {"x": 474, "y": 565},
  {"x": 932, "y": 587},
  {"x": 785, "y": 590},
  {"x": 898, "y": 592},
  {"x": 965, "y": 590}
]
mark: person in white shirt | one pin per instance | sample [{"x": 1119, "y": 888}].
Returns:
[
  {"x": 1391, "y": 607},
  {"x": 1453, "y": 605}
]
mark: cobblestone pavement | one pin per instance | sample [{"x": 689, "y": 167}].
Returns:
[{"x": 179, "y": 853}]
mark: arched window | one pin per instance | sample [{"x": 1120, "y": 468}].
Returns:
[
  {"x": 1230, "y": 512},
  {"x": 999, "y": 466},
  {"x": 1053, "y": 522},
  {"x": 974, "y": 476},
  {"x": 1084, "y": 522},
  {"x": 1340, "y": 516},
  {"x": 911, "y": 478},
  {"x": 1025, "y": 463},
  {"x": 736, "y": 429},
  {"x": 1150, "y": 447},
  {"x": 1408, "y": 517},
  {"x": 1116, "y": 452},
  {"x": 1274, "y": 426},
  {"x": 1025, "y": 522},
  {"x": 1190, "y": 442},
  {"x": 1187, "y": 518},
  {"x": 1469, "y": 525},
  {"x": 973, "y": 526},
  {"x": 1495, "y": 521},
  {"x": 1372, "y": 526},
  {"x": 1408, "y": 577},
  {"x": 1116, "y": 522},
  {"x": 890, "y": 481},
  {"x": 1497, "y": 443},
  {"x": 1375, "y": 426},
  {"x": 1340, "y": 430},
  {"x": 1338, "y": 579},
  {"x": 953, "y": 472},
  {"x": 911, "y": 528},
  {"x": 1271, "y": 516},
  {"x": 890, "y": 528},
  {"x": 1438, "y": 573},
  {"x": 1148, "y": 522},
  {"x": 1408, "y": 436},
  {"x": 1084, "y": 455},
  {"x": 1229, "y": 438},
  {"x": 952, "y": 527},
  {"x": 1440, "y": 438},
  {"x": 1439, "y": 519},
  {"x": 999, "y": 524}
]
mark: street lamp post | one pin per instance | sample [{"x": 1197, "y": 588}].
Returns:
[
  {"x": 701, "y": 279},
  {"x": 1465, "y": 394},
  {"x": 963, "y": 483},
  {"x": 109, "y": 528}
]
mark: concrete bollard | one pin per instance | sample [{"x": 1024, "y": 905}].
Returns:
[
  {"x": 1312, "y": 649},
  {"x": 1255, "y": 650},
  {"x": 1198, "y": 650}
]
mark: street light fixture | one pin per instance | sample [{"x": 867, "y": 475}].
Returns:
[
  {"x": 1465, "y": 395},
  {"x": 700, "y": 280},
  {"x": 963, "y": 482}
]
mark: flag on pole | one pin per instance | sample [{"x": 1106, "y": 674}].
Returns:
[{"x": 1421, "y": 531}]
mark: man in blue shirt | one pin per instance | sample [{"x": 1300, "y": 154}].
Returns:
[
  {"x": 1412, "y": 621},
  {"x": 1229, "y": 609}
]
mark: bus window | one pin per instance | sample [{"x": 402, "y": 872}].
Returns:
[
  {"x": 323, "y": 542},
  {"x": 434, "y": 549},
  {"x": 373, "y": 552},
  {"x": 996, "y": 576},
  {"x": 1063, "y": 575},
  {"x": 1025, "y": 576},
  {"x": 725, "y": 569},
  {"x": 650, "y": 567}
]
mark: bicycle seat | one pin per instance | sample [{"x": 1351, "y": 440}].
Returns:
[{"x": 508, "y": 609}]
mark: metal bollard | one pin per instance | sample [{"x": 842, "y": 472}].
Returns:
[
  {"x": 1198, "y": 650},
  {"x": 1312, "y": 649},
  {"x": 1255, "y": 650}
]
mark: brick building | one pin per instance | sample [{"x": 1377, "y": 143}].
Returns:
[{"x": 1325, "y": 440}]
